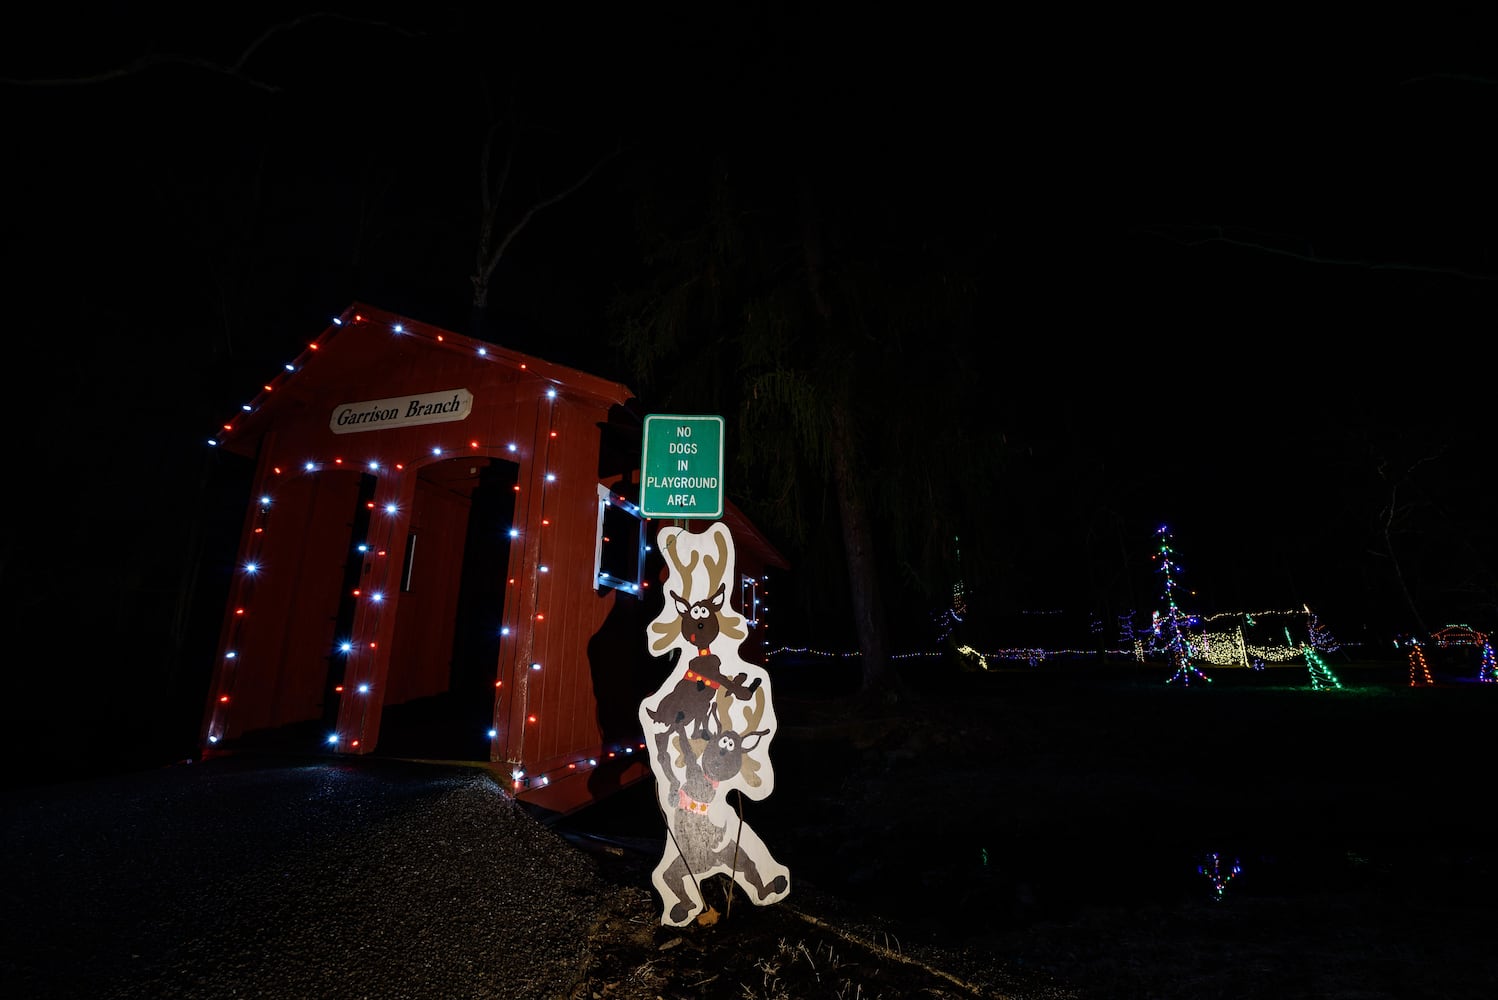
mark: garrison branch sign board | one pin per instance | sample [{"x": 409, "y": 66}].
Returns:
[
  {"x": 681, "y": 468},
  {"x": 401, "y": 411}
]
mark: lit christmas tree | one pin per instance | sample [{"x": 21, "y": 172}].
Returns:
[
  {"x": 1419, "y": 668},
  {"x": 1322, "y": 678},
  {"x": 1487, "y": 671},
  {"x": 1321, "y": 637},
  {"x": 949, "y": 625},
  {"x": 1169, "y": 630}
]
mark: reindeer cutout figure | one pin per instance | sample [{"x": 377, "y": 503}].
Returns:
[
  {"x": 701, "y": 623},
  {"x": 711, "y": 727}
]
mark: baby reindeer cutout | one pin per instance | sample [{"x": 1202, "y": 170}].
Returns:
[{"x": 710, "y": 723}]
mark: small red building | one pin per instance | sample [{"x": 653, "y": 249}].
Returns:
[{"x": 443, "y": 558}]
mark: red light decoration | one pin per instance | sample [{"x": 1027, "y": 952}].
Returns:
[{"x": 382, "y": 552}]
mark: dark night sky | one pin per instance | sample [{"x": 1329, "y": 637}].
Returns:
[{"x": 1229, "y": 259}]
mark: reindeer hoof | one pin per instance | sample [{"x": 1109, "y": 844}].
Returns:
[
  {"x": 680, "y": 912},
  {"x": 776, "y": 885}
]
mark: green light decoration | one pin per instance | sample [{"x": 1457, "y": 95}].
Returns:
[
  {"x": 1322, "y": 678},
  {"x": 1169, "y": 630}
]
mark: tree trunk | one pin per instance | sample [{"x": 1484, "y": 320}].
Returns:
[{"x": 878, "y": 683}]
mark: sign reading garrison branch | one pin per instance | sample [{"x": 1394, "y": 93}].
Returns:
[{"x": 681, "y": 469}]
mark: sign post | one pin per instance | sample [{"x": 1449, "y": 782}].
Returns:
[{"x": 681, "y": 467}]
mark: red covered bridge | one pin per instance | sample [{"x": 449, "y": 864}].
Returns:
[{"x": 443, "y": 558}]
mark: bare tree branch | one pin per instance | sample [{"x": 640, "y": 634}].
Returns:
[
  {"x": 1485, "y": 81},
  {"x": 235, "y": 69},
  {"x": 1392, "y": 513},
  {"x": 1201, "y": 235},
  {"x": 489, "y": 256}
]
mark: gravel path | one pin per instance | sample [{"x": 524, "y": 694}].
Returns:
[{"x": 268, "y": 880}]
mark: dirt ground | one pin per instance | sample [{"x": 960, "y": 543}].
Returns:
[{"x": 1093, "y": 833}]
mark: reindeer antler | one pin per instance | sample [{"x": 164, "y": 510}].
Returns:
[
  {"x": 750, "y": 766},
  {"x": 666, "y": 631},
  {"x": 716, "y": 567},
  {"x": 756, "y": 711},
  {"x": 716, "y": 570},
  {"x": 684, "y": 570}
]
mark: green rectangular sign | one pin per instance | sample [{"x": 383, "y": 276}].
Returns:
[{"x": 681, "y": 467}]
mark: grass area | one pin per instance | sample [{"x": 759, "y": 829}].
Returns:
[{"x": 1042, "y": 832}]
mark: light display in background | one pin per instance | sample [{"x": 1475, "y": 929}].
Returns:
[
  {"x": 1419, "y": 668},
  {"x": 1170, "y": 629},
  {"x": 1218, "y": 874},
  {"x": 1322, "y": 678},
  {"x": 1457, "y": 636}
]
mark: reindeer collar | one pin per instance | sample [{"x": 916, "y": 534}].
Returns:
[
  {"x": 693, "y": 675},
  {"x": 686, "y": 802}
]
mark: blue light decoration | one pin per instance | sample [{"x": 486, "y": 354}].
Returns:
[
  {"x": 1458, "y": 636},
  {"x": 370, "y": 613},
  {"x": 1321, "y": 637},
  {"x": 1212, "y": 867},
  {"x": 1169, "y": 630}
]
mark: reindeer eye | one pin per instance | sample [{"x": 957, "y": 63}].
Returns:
[
  {"x": 726, "y": 742},
  {"x": 700, "y": 612}
]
